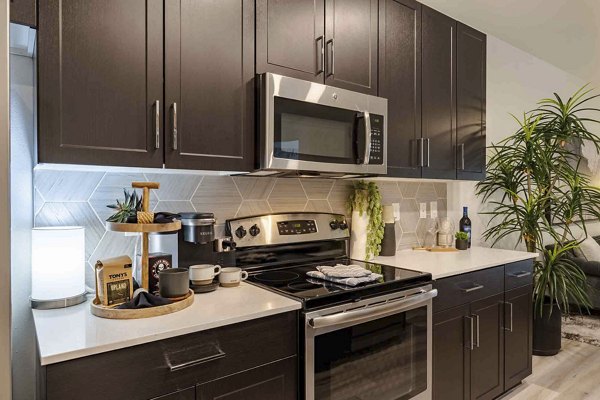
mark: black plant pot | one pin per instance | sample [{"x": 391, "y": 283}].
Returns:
[
  {"x": 462, "y": 244},
  {"x": 546, "y": 331}
]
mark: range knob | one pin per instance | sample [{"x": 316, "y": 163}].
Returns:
[
  {"x": 343, "y": 225},
  {"x": 240, "y": 232},
  {"x": 334, "y": 224},
  {"x": 254, "y": 230}
]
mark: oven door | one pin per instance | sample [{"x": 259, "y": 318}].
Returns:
[
  {"x": 378, "y": 348},
  {"x": 307, "y": 126}
]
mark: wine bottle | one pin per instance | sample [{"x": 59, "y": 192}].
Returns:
[{"x": 465, "y": 223}]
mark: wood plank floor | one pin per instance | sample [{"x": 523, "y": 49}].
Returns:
[{"x": 573, "y": 374}]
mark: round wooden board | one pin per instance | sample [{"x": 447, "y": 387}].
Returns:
[
  {"x": 147, "y": 228},
  {"x": 114, "y": 313}
]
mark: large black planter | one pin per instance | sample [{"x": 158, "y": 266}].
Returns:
[{"x": 546, "y": 331}]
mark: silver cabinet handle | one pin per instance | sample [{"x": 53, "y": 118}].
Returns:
[
  {"x": 331, "y": 60},
  {"x": 321, "y": 55},
  {"x": 472, "y": 289},
  {"x": 521, "y": 274},
  {"x": 215, "y": 354},
  {"x": 371, "y": 313},
  {"x": 462, "y": 156},
  {"x": 477, "y": 328},
  {"x": 428, "y": 152},
  {"x": 511, "y": 316},
  {"x": 157, "y": 124},
  {"x": 471, "y": 332},
  {"x": 368, "y": 134},
  {"x": 174, "y": 126},
  {"x": 421, "y": 142}
]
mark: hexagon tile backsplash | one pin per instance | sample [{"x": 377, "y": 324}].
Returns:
[{"x": 80, "y": 198}]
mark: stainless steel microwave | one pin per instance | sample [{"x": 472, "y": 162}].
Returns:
[{"x": 307, "y": 127}]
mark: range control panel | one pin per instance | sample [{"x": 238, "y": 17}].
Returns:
[
  {"x": 270, "y": 229},
  {"x": 298, "y": 227}
]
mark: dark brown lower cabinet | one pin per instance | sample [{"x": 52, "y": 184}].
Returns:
[
  {"x": 185, "y": 394},
  {"x": 518, "y": 314},
  {"x": 255, "y": 359},
  {"x": 482, "y": 333},
  {"x": 487, "y": 356},
  {"x": 275, "y": 381},
  {"x": 451, "y": 354}
]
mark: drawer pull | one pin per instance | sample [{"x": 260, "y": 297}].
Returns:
[
  {"x": 472, "y": 289},
  {"x": 520, "y": 274},
  {"x": 214, "y": 353}
]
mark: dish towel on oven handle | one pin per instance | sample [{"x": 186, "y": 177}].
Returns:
[{"x": 372, "y": 277}]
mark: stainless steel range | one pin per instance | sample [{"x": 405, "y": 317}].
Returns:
[{"x": 371, "y": 341}]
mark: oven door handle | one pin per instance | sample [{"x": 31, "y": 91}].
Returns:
[{"x": 373, "y": 312}]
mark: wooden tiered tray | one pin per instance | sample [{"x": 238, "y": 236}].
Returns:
[{"x": 115, "y": 313}]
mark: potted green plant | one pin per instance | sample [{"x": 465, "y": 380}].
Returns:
[
  {"x": 537, "y": 193},
  {"x": 366, "y": 234},
  {"x": 462, "y": 240}
]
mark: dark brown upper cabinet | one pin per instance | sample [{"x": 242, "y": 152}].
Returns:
[
  {"x": 23, "y": 12},
  {"x": 351, "y": 35},
  {"x": 400, "y": 83},
  {"x": 290, "y": 38},
  {"x": 325, "y": 41},
  {"x": 470, "y": 102},
  {"x": 209, "y": 85},
  {"x": 100, "y": 98},
  {"x": 438, "y": 96}
]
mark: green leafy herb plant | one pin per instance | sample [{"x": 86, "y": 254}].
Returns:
[
  {"x": 537, "y": 192},
  {"x": 365, "y": 198},
  {"x": 461, "y": 236}
]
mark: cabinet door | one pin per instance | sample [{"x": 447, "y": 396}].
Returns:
[
  {"x": 185, "y": 394},
  {"x": 470, "y": 102},
  {"x": 451, "y": 353},
  {"x": 290, "y": 38},
  {"x": 438, "y": 94},
  {"x": 517, "y": 335},
  {"x": 351, "y": 44},
  {"x": 400, "y": 78},
  {"x": 487, "y": 357},
  {"x": 100, "y": 97},
  {"x": 23, "y": 12},
  {"x": 275, "y": 381},
  {"x": 209, "y": 62}
]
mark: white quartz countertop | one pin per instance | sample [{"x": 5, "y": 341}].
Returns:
[
  {"x": 444, "y": 264},
  {"x": 73, "y": 332}
]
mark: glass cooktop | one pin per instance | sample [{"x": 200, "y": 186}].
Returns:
[{"x": 294, "y": 282}]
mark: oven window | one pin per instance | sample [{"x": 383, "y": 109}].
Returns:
[
  {"x": 384, "y": 359},
  {"x": 313, "y": 132}
]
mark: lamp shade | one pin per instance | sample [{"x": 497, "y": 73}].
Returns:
[{"x": 58, "y": 266}]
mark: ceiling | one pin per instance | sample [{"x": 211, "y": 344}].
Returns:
[{"x": 565, "y": 33}]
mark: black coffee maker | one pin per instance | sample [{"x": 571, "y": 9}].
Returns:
[{"x": 197, "y": 243}]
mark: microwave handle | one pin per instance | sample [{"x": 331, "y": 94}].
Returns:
[{"x": 367, "y": 157}]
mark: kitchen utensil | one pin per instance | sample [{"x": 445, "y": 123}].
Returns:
[
  {"x": 173, "y": 282},
  {"x": 232, "y": 276},
  {"x": 203, "y": 274}
]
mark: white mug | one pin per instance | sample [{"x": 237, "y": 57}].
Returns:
[
  {"x": 232, "y": 276},
  {"x": 203, "y": 274}
]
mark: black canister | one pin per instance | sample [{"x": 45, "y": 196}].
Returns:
[
  {"x": 388, "y": 244},
  {"x": 198, "y": 227}
]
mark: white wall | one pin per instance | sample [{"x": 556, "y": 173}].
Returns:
[
  {"x": 516, "y": 80},
  {"x": 22, "y": 152},
  {"x": 5, "y": 302}
]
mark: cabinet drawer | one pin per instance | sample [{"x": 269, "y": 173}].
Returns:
[
  {"x": 465, "y": 288},
  {"x": 162, "y": 367},
  {"x": 518, "y": 274}
]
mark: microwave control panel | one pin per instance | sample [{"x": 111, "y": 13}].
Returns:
[{"x": 376, "y": 139}]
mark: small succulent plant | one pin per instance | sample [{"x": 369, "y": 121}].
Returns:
[
  {"x": 127, "y": 209},
  {"x": 461, "y": 236}
]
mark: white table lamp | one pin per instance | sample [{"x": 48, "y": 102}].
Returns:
[{"x": 57, "y": 266}]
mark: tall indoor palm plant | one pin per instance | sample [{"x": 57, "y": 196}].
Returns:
[{"x": 536, "y": 191}]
